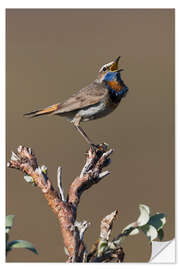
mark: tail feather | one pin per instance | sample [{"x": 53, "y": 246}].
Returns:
[{"x": 46, "y": 110}]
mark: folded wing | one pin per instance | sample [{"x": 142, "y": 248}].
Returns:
[
  {"x": 90, "y": 95},
  {"x": 87, "y": 96}
]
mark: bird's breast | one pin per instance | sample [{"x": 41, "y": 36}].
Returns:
[
  {"x": 116, "y": 91},
  {"x": 115, "y": 85},
  {"x": 101, "y": 109}
]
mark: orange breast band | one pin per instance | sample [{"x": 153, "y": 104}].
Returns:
[{"x": 115, "y": 85}]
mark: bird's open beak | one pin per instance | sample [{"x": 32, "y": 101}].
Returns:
[{"x": 114, "y": 65}]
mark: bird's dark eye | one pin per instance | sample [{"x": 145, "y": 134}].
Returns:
[{"x": 104, "y": 68}]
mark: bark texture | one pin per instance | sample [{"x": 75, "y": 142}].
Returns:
[{"x": 65, "y": 209}]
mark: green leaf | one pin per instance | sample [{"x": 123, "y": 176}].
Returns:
[
  {"x": 7, "y": 238},
  {"x": 144, "y": 215},
  {"x": 134, "y": 231},
  {"x": 160, "y": 234},
  {"x": 141, "y": 221},
  {"x": 21, "y": 244},
  {"x": 151, "y": 226},
  {"x": 9, "y": 222},
  {"x": 28, "y": 179},
  {"x": 157, "y": 220},
  {"x": 154, "y": 226},
  {"x": 131, "y": 229},
  {"x": 150, "y": 231},
  {"x": 102, "y": 246}
]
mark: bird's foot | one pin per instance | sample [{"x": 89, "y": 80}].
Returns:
[{"x": 97, "y": 148}]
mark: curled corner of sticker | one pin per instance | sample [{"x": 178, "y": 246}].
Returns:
[{"x": 163, "y": 252}]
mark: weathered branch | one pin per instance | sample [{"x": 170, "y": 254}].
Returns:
[
  {"x": 106, "y": 225},
  {"x": 90, "y": 175},
  {"x": 59, "y": 183},
  {"x": 72, "y": 231},
  {"x": 104, "y": 250}
]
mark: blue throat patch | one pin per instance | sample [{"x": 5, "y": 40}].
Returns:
[
  {"x": 115, "y": 95},
  {"x": 113, "y": 75}
]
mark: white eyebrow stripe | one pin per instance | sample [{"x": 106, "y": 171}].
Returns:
[{"x": 106, "y": 65}]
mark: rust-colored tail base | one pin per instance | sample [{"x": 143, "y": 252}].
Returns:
[{"x": 46, "y": 110}]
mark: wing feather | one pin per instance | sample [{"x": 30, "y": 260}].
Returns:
[{"x": 89, "y": 95}]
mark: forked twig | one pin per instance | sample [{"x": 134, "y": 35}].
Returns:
[{"x": 66, "y": 210}]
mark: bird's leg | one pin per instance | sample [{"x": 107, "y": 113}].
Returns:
[
  {"x": 82, "y": 132},
  {"x": 100, "y": 147},
  {"x": 76, "y": 123},
  {"x": 96, "y": 148}
]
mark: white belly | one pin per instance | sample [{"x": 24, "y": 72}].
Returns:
[
  {"x": 91, "y": 112},
  {"x": 94, "y": 112},
  {"x": 98, "y": 110}
]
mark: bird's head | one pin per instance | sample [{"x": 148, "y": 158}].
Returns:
[{"x": 110, "y": 67}]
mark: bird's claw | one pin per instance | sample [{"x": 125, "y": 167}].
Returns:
[{"x": 102, "y": 147}]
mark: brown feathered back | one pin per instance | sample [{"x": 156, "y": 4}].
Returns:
[{"x": 89, "y": 95}]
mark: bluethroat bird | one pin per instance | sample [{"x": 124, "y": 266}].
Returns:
[{"x": 96, "y": 100}]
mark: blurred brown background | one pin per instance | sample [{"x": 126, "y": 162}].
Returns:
[{"x": 50, "y": 55}]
